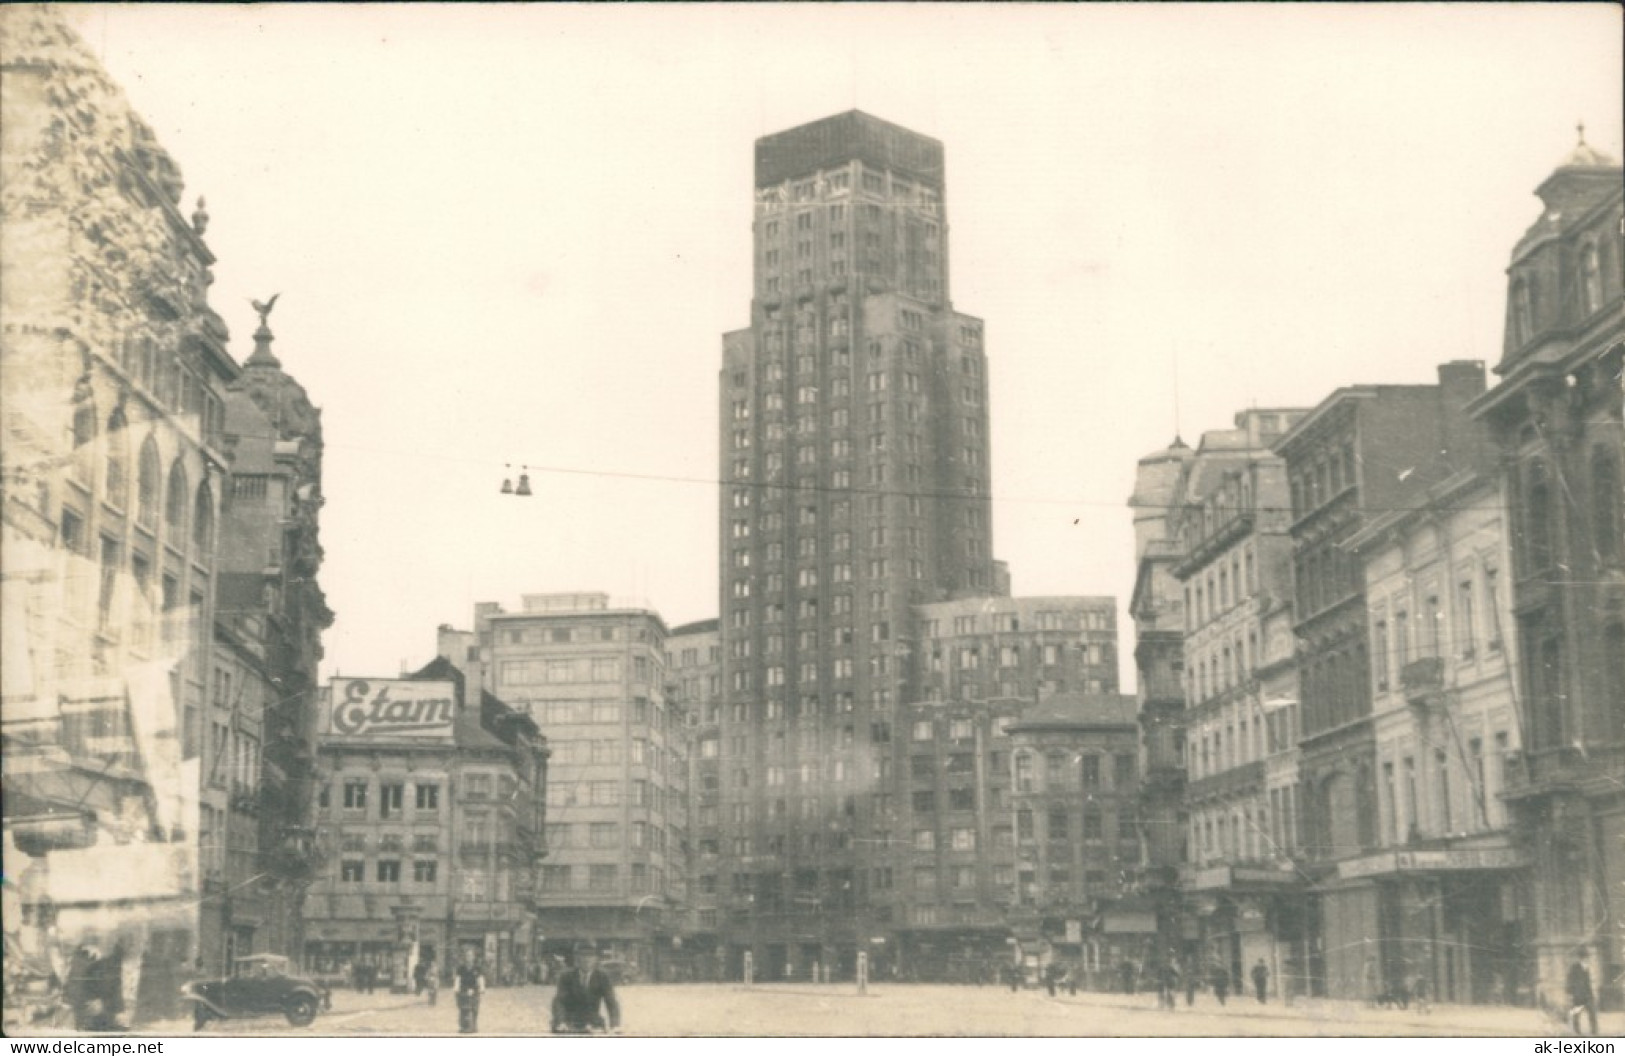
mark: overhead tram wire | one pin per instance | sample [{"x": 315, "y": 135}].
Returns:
[{"x": 789, "y": 486}]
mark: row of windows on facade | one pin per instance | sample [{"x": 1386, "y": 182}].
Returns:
[
  {"x": 124, "y": 597},
  {"x": 1061, "y": 771},
  {"x": 1083, "y": 834},
  {"x": 172, "y": 382},
  {"x": 1010, "y": 622},
  {"x": 969, "y": 657},
  {"x": 840, "y": 450},
  {"x": 636, "y": 750},
  {"x": 802, "y": 251},
  {"x": 355, "y": 794},
  {"x": 1531, "y": 308},
  {"x": 575, "y": 669},
  {"x": 836, "y": 358},
  {"x": 1211, "y": 595},
  {"x": 838, "y": 181},
  {"x": 1327, "y": 476},
  {"x": 805, "y": 426},
  {"x": 929, "y": 287},
  {"x": 903, "y": 194},
  {"x": 1228, "y": 741},
  {"x": 1335, "y": 687},
  {"x": 639, "y": 712},
  {"x": 772, "y": 522},
  {"x": 115, "y": 482},
  {"x": 637, "y": 793},
  {"x": 875, "y": 383},
  {"x": 1232, "y": 499},
  {"x": 773, "y": 582},
  {"x": 1324, "y": 575},
  {"x": 690, "y": 656},
  {"x": 1246, "y": 831},
  {"x": 1395, "y": 642},
  {"x": 476, "y": 885},
  {"x": 602, "y": 877},
  {"x": 560, "y": 635},
  {"x": 877, "y": 568},
  {"x": 607, "y": 835},
  {"x": 840, "y": 480},
  {"x": 1451, "y": 793}
]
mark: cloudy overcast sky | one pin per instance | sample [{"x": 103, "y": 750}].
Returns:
[{"x": 514, "y": 234}]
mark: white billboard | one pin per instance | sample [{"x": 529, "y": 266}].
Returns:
[{"x": 390, "y": 709}]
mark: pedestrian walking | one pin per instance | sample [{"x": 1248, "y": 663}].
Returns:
[
  {"x": 469, "y": 981},
  {"x": 1582, "y": 998},
  {"x": 583, "y": 989},
  {"x": 1261, "y": 979},
  {"x": 1190, "y": 977},
  {"x": 1167, "y": 985},
  {"x": 1125, "y": 976},
  {"x": 1219, "y": 979},
  {"x": 1419, "y": 993}
]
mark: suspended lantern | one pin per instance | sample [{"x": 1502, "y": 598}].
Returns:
[{"x": 524, "y": 483}]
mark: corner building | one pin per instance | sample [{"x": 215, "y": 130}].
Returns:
[
  {"x": 854, "y": 457},
  {"x": 1556, "y": 421},
  {"x": 593, "y": 678}
]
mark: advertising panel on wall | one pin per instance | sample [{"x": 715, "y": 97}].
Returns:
[{"x": 389, "y": 709}]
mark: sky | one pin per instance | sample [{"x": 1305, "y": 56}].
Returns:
[{"x": 512, "y": 235}]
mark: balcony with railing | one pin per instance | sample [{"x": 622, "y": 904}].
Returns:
[{"x": 1422, "y": 680}]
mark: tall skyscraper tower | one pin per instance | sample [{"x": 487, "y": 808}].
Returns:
[{"x": 854, "y": 457}]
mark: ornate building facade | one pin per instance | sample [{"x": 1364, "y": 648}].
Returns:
[
  {"x": 114, "y": 386},
  {"x": 1555, "y": 420}
]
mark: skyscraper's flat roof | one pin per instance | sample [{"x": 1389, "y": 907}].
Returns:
[{"x": 852, "y": 136}]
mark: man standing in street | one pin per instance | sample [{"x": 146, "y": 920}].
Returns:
[
  {"x": 469, "y": 982},
  {"x": 1261, "y": 979},
  {"x": 1581, "y": 997},
  {"x": 583, "y": 988}
]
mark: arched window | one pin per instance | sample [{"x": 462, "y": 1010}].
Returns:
[
  {"x": 1523, "y": 311},
  {"x": 1605, "y": 528},
  {"x": 175, "y": 505},
  {"x": 1537, "y": 504},
  {"x": 1613, "y": 666},
  {"x": 1590, "y": 278},
  {"x": 203, "y": 520},
  {"x": 146, "y": 485},
  {"x": 118, "y": 460},
  {"x": 84, "y": 440}
]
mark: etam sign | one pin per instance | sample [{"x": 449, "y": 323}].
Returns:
[{"x": 379, "y": 707}]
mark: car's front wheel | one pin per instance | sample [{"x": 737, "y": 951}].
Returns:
[{"x": 301, "y": 1010}]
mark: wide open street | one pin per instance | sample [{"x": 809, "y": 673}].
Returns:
[{"x": 904, "y": 1011}]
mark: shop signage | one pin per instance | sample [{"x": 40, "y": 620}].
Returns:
[
  {"x": 368, "y": 708},
  {"x": 1429, "y": 861}
]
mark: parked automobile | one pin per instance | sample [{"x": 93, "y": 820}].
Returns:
[
  {"x": 264, "y": 985},
  {"x": 620, "y": 972}
]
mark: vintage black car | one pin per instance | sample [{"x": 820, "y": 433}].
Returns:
[{"x": 264, "y": 985}]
